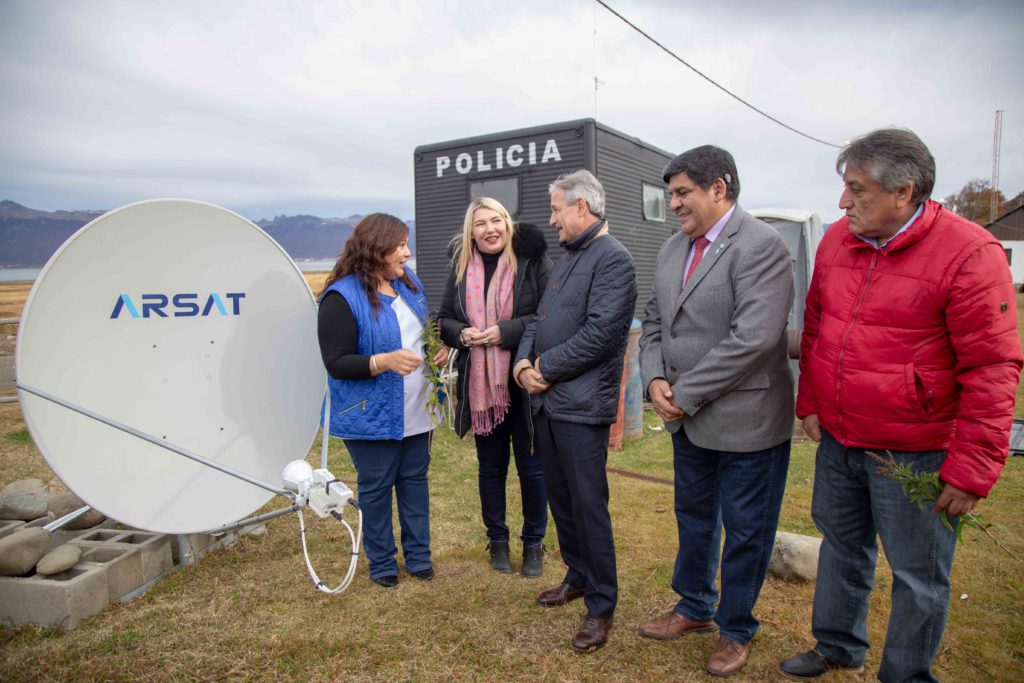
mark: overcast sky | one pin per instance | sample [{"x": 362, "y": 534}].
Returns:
[{"x": 269, "y": 107}]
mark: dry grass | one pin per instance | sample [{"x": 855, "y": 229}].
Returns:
[
  {"x": 12, "y": 298},
  {"x": 251, "y": 613}
]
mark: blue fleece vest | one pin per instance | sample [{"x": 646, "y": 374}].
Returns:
[{"x": 372, "y": 409}]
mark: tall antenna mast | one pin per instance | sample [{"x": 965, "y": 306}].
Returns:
[
  {"x": 997, "y": 140},
  {"x": 597, "y": 81}
]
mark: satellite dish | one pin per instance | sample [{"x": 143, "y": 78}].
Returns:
[{"x": 186, "y": 322}]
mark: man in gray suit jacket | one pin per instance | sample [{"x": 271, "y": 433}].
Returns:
[{"x": 713, "y": 358}]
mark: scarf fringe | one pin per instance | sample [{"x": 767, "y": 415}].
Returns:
[{"x": 484, "y": 421}]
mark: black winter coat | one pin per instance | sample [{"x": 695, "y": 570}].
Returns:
[
  {"x": 581, "y": 328},
  {"x": 531, "y": 279}
]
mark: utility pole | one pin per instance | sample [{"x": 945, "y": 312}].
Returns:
[{"x": 997, "y": 139}]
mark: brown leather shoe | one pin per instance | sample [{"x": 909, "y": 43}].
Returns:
[
  {"x": 593, "y": 634},
  {"x": 727, "y": 658},
  {"x": 673, "y": 625},
  {"x": 556, "y": 597}
]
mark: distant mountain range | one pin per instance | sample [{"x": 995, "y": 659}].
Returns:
[{"x": 29, "y": 237}]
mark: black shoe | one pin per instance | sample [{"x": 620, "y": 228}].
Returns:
[
  {"x": 499, "y": 556},
  {"x": 387, "y": 581},
  {"x": 423, "y": 574},
  {"x": 812, "y": 664},
  {"x": 533, "y": 561}
]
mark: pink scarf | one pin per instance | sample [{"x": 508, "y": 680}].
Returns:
[{"x": 488, "y": 365}]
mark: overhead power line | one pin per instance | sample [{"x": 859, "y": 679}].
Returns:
[{"x": 710, "y": 80}]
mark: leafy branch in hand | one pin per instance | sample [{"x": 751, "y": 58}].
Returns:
[
  {"x": 432, "y": 345},
  {"x": 924, "y": 488}
]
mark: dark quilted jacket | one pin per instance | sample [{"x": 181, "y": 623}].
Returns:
[{"x": 581, "y": 327}]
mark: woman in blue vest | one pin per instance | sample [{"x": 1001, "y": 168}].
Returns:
[
  {"x": 370, "y": 326},
  {"x": 498, "y": 274}
]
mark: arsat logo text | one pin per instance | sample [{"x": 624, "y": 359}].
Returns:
[{"x": 178, "y": 305}]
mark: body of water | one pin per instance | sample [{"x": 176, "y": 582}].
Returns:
[{"x": 30, "y": 274}]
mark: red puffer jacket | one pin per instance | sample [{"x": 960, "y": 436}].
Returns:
[{"x": 914, "y": 347}]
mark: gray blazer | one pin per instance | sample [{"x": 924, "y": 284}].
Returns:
[{"x": 720, "y": 341}]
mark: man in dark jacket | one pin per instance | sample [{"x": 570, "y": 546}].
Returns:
[{"x": 570, "y": 360}]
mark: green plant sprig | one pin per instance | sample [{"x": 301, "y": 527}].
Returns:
[
  {"x": 924, "y": 488},
  {"x": 432, "y": 344}
]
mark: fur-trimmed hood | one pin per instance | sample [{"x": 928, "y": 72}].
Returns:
[{"x": 528, "y": 242}]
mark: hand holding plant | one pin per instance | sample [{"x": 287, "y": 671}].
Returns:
[
  {"x": 434, "y": 357},
  {"x": 924, "y": 488}
]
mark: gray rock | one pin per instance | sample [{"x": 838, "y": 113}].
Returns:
[
  {"x": 60, "y": 559},
  {"x": 86, "y": 521},
  {"x": 65, "y": 503},
  {"x": 24, "y": 506},
  {"x": 20, "y": 551},
  {"x": 255, "y": 530},
  {"x": 23, "y": 486},
  {"x": 795, "y": 557}
]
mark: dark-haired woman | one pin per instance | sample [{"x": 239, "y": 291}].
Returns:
[
  {"x": 499, "y": 271},
  {"x": 370, "y": 325}
]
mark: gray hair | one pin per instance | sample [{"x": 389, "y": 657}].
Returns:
[
  {"x": 704, "y": 165},
  {"x": 581, "y": 185},
  {"x": 893, "y": 157}
]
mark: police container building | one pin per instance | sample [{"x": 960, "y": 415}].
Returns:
[{"x": 516, "y": 168}]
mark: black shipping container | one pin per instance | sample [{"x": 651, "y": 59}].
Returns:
[{"x": 516, "y": 167}]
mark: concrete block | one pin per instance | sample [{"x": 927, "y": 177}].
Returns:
[
  {"x": 58, "y": 601},
  {"x": 190, "y": 548},
  {"x": 66, "y": 535},
  {"x": 155, "y": 550},
  {"x": 100, "y": 535},
  {"x": 122, "y": 566}
]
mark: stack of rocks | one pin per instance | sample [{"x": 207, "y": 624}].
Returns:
[{"x": 29, "y": 548}]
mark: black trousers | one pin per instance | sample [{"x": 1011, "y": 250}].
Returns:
[
  {"x": 494, "y": 452},
  {"x": 574, "y": 457}
]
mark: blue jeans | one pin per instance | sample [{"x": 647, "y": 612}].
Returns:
[
  {"x": 402, "y": 465},
  {"x": 852, "y": 504},
  {"x": 493, "y": 452},
  {"x": 743, "y": 493}
]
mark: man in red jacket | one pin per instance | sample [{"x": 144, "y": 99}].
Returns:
[{"x": 909, "y": 347}]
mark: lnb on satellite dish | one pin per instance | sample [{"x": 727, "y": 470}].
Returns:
[{"x": 186, "y": 322}]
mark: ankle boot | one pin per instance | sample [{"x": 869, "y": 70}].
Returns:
[
  {"x": 533, "y": 561},
  {"x": 500, "y": 559}
]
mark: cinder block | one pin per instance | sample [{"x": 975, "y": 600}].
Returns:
[
  {"x": 122, "y": 566},
  {"x": 103, "y": 535},
  {"x": 198, "y": 546},
  {"x": 62, "y": 536},
  {"x": 58, "y": 601},
  {"x": 155, "y": 550}
]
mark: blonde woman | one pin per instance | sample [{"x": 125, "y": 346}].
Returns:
[{"x": 498, "y": 274}]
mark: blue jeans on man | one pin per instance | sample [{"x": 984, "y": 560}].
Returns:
[
  {"x": 742, "y": 492},
  {"x": 854, "y": 504},
  {"x": 380, "y": 467}
]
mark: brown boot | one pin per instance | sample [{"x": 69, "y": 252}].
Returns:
[
  {"x": 560, "y": 595},
  {"x": 727, "y": 658},
  {"x": 673, "y": 625},
  {"x": 593, "y": 634}
]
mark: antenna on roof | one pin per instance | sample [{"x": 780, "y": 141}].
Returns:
[{"x": 997, "y": 139}]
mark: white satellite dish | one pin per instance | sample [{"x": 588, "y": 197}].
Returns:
[{"x": 184, "y": 321}]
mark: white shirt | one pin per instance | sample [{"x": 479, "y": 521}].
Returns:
[{"x": 417, "y": 420}]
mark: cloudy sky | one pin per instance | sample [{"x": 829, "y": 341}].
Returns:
[{"x": 315, "y": 106}]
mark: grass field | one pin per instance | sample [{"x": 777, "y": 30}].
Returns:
[{"x": 250, "y": 612}]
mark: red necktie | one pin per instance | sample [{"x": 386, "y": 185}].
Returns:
[{"x": 699, "y": 245}]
